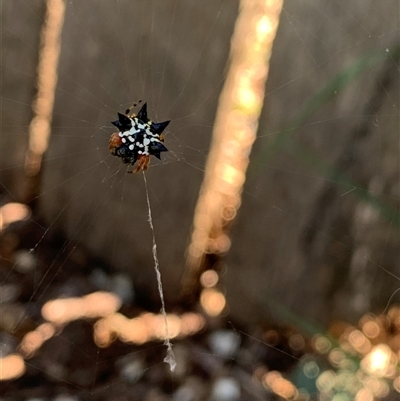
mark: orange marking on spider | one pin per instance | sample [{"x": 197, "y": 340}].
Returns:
[{"x": 114, "y": 142}]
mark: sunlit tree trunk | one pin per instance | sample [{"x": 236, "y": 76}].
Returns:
[
  {"x": 234, "y": 133},
  {"x": 40, "y": 126}
]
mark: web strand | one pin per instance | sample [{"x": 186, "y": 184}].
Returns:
[{"x": 170, "y": 357}]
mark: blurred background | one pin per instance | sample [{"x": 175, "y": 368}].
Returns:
[{"x": 294, "y": 293}]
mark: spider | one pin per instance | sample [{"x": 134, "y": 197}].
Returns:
[{"x": 138, "y": 138}]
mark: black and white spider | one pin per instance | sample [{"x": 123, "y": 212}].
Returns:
[{"x": 138, "y": 138}]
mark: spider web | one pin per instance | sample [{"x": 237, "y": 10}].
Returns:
[{"x": 89, "y": 204}]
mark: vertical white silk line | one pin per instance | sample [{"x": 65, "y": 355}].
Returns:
[{"x": 170, "y": 357}]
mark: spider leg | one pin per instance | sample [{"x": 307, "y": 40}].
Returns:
[
  {"x": 144, "y": 161},
  {"x": 128, "y": 111}
]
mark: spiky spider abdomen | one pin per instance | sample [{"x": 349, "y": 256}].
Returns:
[{"x": 138, "y": 139}]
